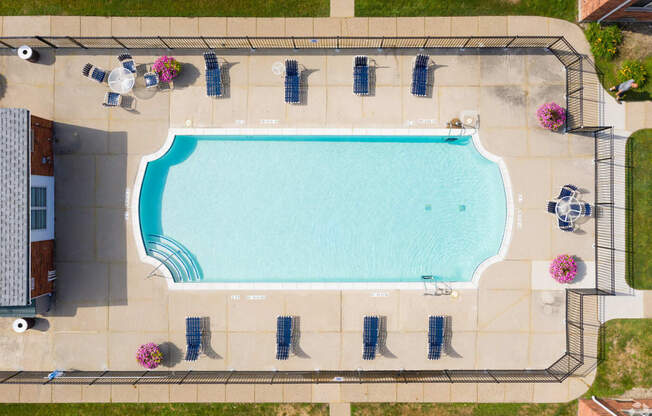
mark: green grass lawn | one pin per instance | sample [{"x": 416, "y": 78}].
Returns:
[
  {"x": 639, "y": 209},
  {"x": 465, "y": 409},
  {"x": 610, "y": 69},
  {"x": 257, "y": 8},
  {"x": 561, "y": 9},
  {"x": 628, "y": 358}
]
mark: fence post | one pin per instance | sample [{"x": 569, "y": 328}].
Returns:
[
  {"x": 97, "y": 378},
  {"x": 448, "y": 376},
  {"x": 138, "y": 379},
  {"x": 119, "y": 43},
  {"x": 294, "y": 44},
  {"x": 10, "y": 377},
  {"x": 46, "y": 42},
  {"x": 205, "y": 43},
  {"x": 511, "y": 41},
  {"x": 251, "y": 46},
  {"x": 163, "y": 42},
  {"x": 184, "y": 377},
  {"x": 73, "y": 40}
]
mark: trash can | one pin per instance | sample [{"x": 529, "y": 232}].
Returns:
[
  {"x": 23, "y": 324},
  {"x": 28, "y": 54}
]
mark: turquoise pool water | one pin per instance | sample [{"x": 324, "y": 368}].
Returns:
[{"x": 322, "y": 208}]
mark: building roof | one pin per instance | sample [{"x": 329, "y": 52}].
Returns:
[
  {"x": 14, "y": 206},
  {"x": 620, "y": 407}
]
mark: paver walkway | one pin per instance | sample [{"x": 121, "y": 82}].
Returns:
[{"x": 106, "y": 306}]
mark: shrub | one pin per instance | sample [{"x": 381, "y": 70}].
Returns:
[
  {"x": 149, "y": 355},
  {"x": 633, "y": 69},
  {"x": 563, "y": 269},
  {"x": 604, "y": 41},
  {"x": 551, "y": 116}
]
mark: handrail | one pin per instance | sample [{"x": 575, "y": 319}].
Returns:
[{"x": 183, "y": 249}]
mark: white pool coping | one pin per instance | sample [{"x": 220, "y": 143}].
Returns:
[{"x": 472, "y": 284}]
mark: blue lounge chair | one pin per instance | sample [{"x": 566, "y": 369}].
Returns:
[
  {"x": 112, "y": 99},
  {"x": 586, "y": 209},
  {"x": 127, "y": 62},
  {"x": 193, "y": 338},
  {"x": 291, "y": 81},
  {"x": 565, "y": 226},
  {"x": 213, "y": 76},
  {"x": 370, "y": 337},
  {"x": 420, "y": 76},
  {"x": 552, "y": 205},
  {"x": 435, "y": 337},
  {"x": 92, "y": 72},
  {"x": 567, "y": 190},
  {"x": 151, "y": 79},
  {"x": 361, "y": 75},
  {"x": 283, "y": 337}
]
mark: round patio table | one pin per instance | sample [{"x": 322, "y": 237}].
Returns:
[
  {"x": 121, "y": 80},
  {"x": 568, "y": 209}
]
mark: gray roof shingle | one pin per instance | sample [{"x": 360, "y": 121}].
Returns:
[{"x": 14, "y": 206}]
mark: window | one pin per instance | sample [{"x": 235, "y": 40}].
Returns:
[{"x": 39, "y": 208}]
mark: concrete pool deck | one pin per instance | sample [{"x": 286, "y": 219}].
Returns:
[{"x": 106, "y": 306}]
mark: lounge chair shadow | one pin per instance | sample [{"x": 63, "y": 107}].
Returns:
[
  {"x": 3, "y": 86},
  {"x": 225, "y": 73},
  {"x": 430, "y": 85},
  {"x": 129, "y": 104},
  {"x": 303, "y": 85},
  {"x": 448, "y": 337},
  {"x": 296, "y": 336},
  {"x": 382, "y": 338},
  {"x": 172, "y": 355},
  {"x": 206, "y": 347}
]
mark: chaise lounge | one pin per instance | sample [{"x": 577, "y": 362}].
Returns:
[
  {"x": 420, "y": 76},
  {"x": 435, "y": 337},
  {"x": 370, "y": 337},
  {"x": 213, "y": 76},
  {"x": 361, "y": 75},
  {"x": 283, "y": 337},
  {"x": 193, "y": 338},
  {"x": 291, "y": 81}
]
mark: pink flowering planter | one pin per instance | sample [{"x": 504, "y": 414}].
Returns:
[
  {"x": 149, "y": 355},
  {"x": 167, "y": 68},
  {"x": 551, "y": 116},
  {"x": 563, "y": 269}
]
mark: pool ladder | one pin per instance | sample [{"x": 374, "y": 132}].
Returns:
[
  {"x": 174, "y": 256},
  {"x": 433, "y": 287}
]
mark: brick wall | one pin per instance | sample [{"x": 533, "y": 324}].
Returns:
[{"x": 592, "y": 10}]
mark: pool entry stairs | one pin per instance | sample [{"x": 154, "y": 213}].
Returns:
[{"x": 174, "y": 256}]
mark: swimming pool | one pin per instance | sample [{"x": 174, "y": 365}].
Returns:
[{"x": 254, "y": 208}]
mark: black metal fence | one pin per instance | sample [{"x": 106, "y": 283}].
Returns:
[
  {"x": 582, "y": 305},
  {"x": 581, "y": 102}
]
